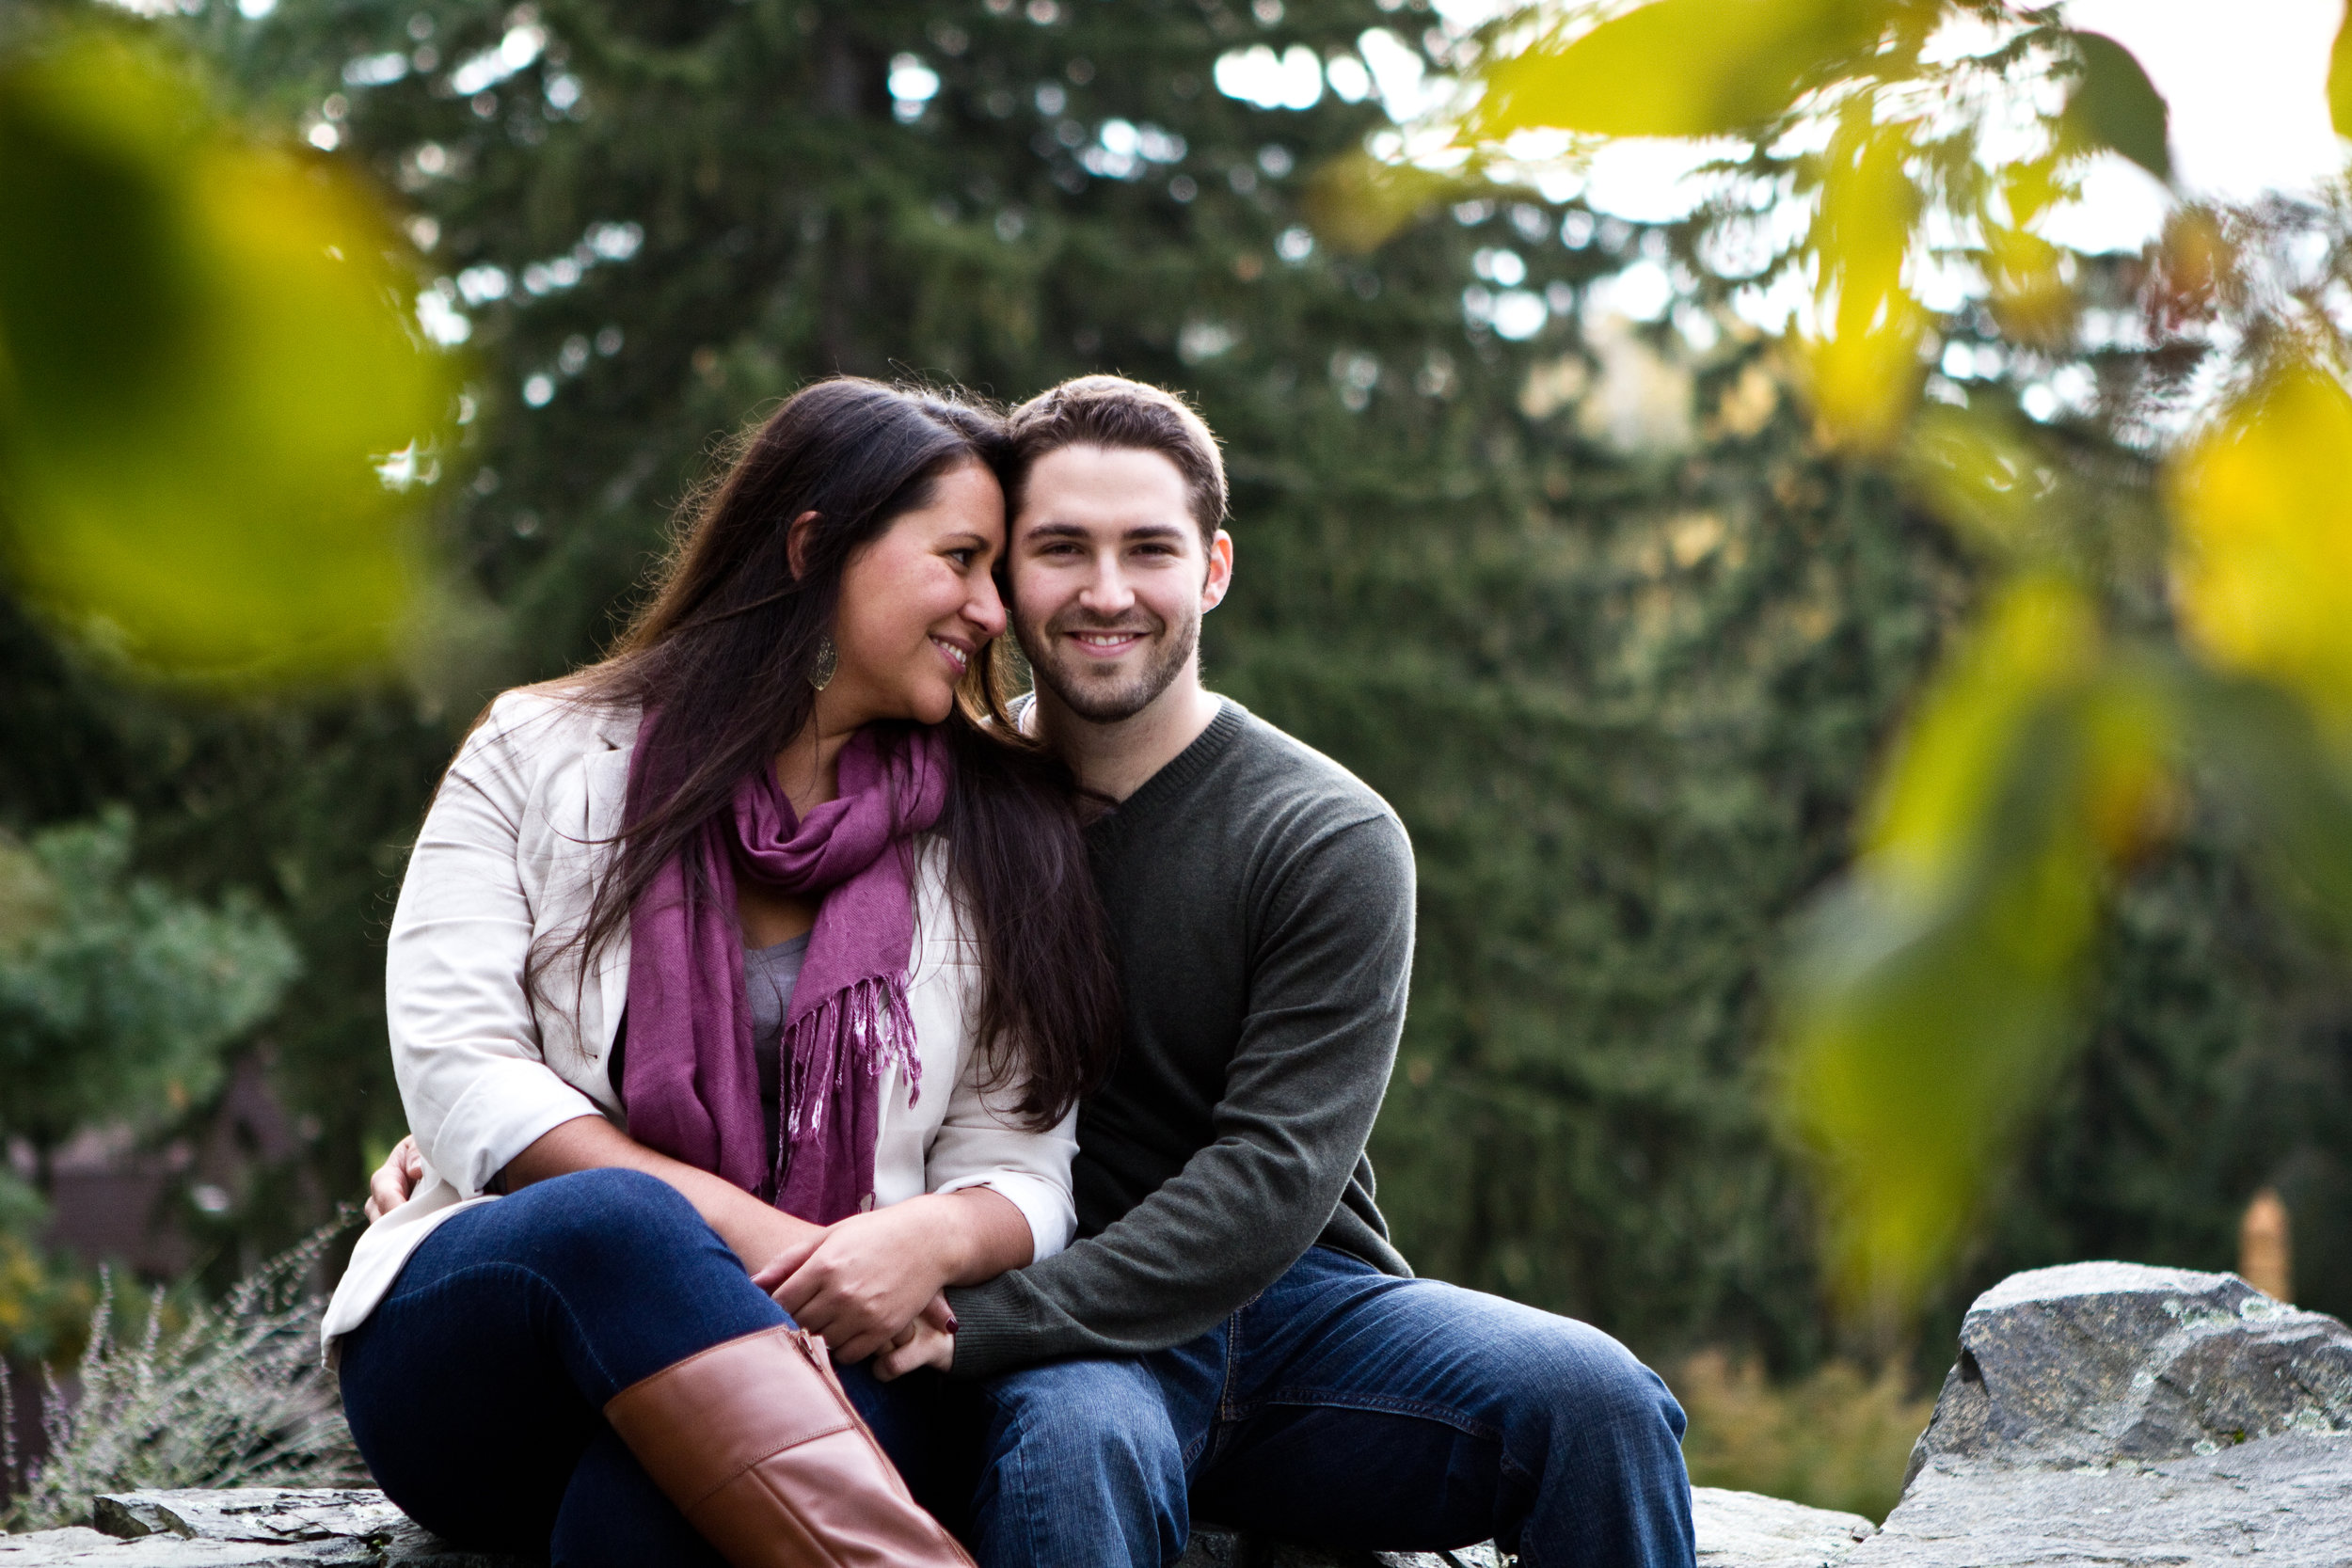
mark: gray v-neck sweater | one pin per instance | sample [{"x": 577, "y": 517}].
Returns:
[{"x": 1261, "y": 900}]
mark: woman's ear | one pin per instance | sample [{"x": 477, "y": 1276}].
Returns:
[{"x": 796, "y": 545}]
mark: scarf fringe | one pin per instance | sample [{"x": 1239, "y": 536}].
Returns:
[{"x": 868, "y": 1026}]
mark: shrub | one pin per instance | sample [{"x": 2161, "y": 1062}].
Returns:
[
  {"x": 232, "y": 1395},
  {"x": 1837, "y": 1438}
]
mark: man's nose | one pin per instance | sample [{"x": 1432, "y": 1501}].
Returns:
[{"x": 1106, "y": 592}]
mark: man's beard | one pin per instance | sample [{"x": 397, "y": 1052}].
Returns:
[{"x": 1103, "y": 699}]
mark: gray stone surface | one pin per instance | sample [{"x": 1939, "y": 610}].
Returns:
[
  {"x": 2285, "y": 1502},
  {"x": 272, "y": 1528},
  {"x": 2096, "y": 1362},
  {"x": 1213, "y": 1548},
  {"x": 261, "y": 1513},
  {"x": 260, "y": 1526},
  {"x": 2115, "y": 1414},
  {"x": 1746, "y": 1529},
  {"x": 89, "y": 1548}
]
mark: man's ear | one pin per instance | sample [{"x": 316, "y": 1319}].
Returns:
[
  {"x": 1220, "y": 571},
  {"x": 796, "y": 545}
]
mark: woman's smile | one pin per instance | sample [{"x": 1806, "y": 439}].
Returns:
[{"x": 956, "y": 652}]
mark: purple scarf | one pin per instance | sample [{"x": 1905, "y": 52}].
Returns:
[{"x": 690, "y": 1082}]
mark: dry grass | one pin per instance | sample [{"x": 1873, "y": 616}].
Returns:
[
  {"x": 1837, "y": 1438},
  {"x": 230, "y": 1395}
]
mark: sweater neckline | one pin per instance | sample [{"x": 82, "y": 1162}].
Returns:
[{"x": 1179, "y": 774}]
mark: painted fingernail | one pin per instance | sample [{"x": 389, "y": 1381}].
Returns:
[{"x": 952, "y": 1325}]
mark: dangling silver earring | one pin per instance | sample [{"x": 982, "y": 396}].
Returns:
[{"x": 821, "y": 672}]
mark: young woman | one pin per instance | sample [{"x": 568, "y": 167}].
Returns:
[{"x": 759, "y": 955}]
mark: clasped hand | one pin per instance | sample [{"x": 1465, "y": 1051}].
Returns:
[{"x": 872, "y": 1285}]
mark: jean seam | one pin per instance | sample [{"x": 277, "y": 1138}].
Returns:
[
  {"x": 526, "y": 1272},
  {"x": 1033, "y": 1541},
  {"x": 1223, "y": 1412}
]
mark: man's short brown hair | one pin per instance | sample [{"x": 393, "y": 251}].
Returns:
[{"x": 1114, "y": 412}]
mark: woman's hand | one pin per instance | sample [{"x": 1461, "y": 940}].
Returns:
[
  {"x": 861, "y": 1282},
  {"x": 395, "y": 1181}
]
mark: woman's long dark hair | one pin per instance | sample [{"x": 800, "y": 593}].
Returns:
[{"x": 723, "y": 649}]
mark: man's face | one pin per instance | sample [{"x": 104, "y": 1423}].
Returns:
[{"x": 1110, "y": 578}]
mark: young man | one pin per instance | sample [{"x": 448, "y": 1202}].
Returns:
[{"x": 1234, "y": 1333}]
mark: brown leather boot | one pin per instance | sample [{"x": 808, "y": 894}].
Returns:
[{"x": 759, "y": 1446}]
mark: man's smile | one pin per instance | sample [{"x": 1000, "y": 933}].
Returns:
[{"x": 1106, "y": 644}]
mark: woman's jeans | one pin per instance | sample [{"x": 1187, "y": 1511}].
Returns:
[
  {"x": 1348, "y": 1408},
  {"x": 477, "y": 1389}
]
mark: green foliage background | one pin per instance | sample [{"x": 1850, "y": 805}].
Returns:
[{"x": 1624, "y": 700}]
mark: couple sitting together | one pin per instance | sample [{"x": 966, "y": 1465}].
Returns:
[{"x": 859, "y": 1114}]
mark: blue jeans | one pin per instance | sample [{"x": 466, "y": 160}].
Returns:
[
  {"x": 476, "y": 1390},
  {"x": 1348, "y": 1409}
]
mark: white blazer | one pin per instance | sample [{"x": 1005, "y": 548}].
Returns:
[{"x": 507, "y": 857}]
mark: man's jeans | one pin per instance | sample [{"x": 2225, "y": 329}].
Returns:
[{"x": 1350, "y": 1409}]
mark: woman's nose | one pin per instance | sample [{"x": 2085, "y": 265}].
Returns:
[{"x": 985, "y": 609}]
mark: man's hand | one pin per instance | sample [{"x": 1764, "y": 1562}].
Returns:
[
  {"x": 396, "y": 1180},
  {"x": 924, "y": 1344}
]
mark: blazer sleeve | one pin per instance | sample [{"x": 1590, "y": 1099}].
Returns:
[
  {"x": 981, "y": 1143},
  {"x": 466, "y": 1046}
]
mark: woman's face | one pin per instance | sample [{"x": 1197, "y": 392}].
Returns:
[{"x": 918, "y": 604}]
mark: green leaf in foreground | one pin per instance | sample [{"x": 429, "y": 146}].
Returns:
[
  {"x": 2117, "y": 107},
  {"x": 1941, "y": 987},
  {"x": 204, "y": 357}
]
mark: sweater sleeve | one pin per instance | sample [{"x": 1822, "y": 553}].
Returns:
[{"x": 1326, "y": 1007}]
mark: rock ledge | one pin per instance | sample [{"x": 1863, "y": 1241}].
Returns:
[
  {"x": 2119, "y": 1414},
  {"x": 271, "y": 1528},
  {"x": 2101, "y": 1414}
]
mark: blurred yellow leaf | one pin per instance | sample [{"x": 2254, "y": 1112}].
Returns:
[
  {"x": 2263, "y": 539},
  {"x": 1864, "y": 369},
  {"x": 2031, "y": 300},
  {"x": 1356, "y": 202},
  {"x": 1681, "y": 68},
  {"x": 208, "y": 350},
  {"x": 1931, "y": 821},
  {"x": 1939, "y": 988},
  {"x": 1990, "y": 485},
  {"x": 2131, "y": 797},
  {"x": 2339, "y": 78}
]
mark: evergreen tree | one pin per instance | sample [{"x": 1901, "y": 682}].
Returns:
[{"x": 1580, "y": 601}]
